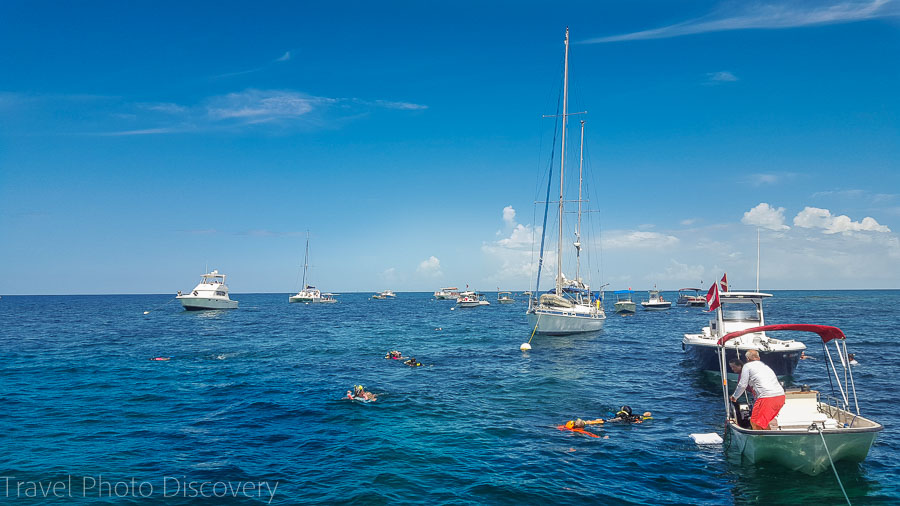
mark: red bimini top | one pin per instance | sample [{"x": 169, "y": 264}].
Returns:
[{"x": 826, "y": 332}]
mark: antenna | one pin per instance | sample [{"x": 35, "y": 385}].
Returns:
[{"x": 757, "y": 259}]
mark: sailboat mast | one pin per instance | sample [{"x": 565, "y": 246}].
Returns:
[
  {"x": 578, "y": 227},
  {"x": 562, "y": 168},
  {"x": 306, "y": 260}
]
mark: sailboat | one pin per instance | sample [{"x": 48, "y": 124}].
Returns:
[
  {"x": 310, "y": 294},
  {"x": 570, "y": 307}
]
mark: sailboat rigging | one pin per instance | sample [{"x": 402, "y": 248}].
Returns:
[{"x": 570, "y": 308}]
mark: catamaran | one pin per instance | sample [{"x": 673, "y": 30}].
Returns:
[
  {"x": 571, "y": 307},
  {"x": 310, "y": 294}
]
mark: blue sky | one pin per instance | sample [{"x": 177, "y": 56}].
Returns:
[{"x": 143, "y": 141}]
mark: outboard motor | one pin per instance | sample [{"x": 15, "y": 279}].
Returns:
[{"x": 742, "y": 412}]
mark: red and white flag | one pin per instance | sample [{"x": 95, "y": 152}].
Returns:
[
  {"x": 712, "y": 297},
  {"x": 724, "y": 282}
]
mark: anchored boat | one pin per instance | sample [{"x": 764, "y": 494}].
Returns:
[
  {"x": 210, "y": 293},
  {"x": 813, "y": 430}
]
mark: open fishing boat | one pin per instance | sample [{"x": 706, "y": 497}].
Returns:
[
  {"x": 656, "y": 302},
  {"x": 624, "y": 303},
  {"x": 505, "y": 298},
  {"x": 813, "y": 430},
  {"x": 471, "y": 299},
  {"x": 570, "y": 308}
]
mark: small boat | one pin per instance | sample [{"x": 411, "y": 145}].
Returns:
[
  {"x": 811, "y": 433},
  {"x": 210, "y": 293},
  {"x": 656, "y": 302},
  {"x": 471, "y": 299},
  {"x": 505, "y": 298},
  {"x": 449, "y": 293},
  {"x": 624, "y": 304},
  {"x": 310, "y": 294},
  {"x": 690, "y": 297},
  {"x": 387, "y": 294},
  {"x": 738, "y": 311}
]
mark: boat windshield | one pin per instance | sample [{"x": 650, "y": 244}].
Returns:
[
  {"x": 209, "y": 280},
  {"x": 740, "y": 310}
]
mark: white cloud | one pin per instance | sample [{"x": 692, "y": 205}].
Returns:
[
  {"x": 431, "y": 266},
  {"x": 509, "y": 216},
  {"x": 721, "y": 77},
  {"x": 766, "y": 217},
  {"x": 754, "y": 15},
  {"x": 638, "y": 239},
  {"x": 257, "y": 104},
  {"x": 285, "y": 57},
  {"x": 682, "y": 273},
  {"x": 404, "y": 106},
  {"x": 688, "y": 222},
  {"x": 814, "y": 217}
]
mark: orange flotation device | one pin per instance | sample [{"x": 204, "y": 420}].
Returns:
[{"x": 580, "y": 431}]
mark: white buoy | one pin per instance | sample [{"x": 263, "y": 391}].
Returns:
[
  {"x": 452, "y": 308},
  {"x": 525, "y": 347},
  {"x": 146, "y": 312}
]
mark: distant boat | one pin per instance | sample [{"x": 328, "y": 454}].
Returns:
[
  {"x": 505, "y": 298},
  {"x": 310, "y": 294},
  {"x": 449, "y": 293},
  {"x": 210, "y": 293},
  {"x": 656, "y": 302},
  {"x": 387, "y": 294},
  {"x": 471, "y": 299},
  {"x": 570, "y": 308},
  {"x": 690, "y": 297},
  {"x": 624, "y": 303}
]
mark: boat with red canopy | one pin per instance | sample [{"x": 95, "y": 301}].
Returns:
[{"x": 813, "y": 429}]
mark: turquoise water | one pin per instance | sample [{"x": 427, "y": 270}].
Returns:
[{"x": 255, "y": 395}]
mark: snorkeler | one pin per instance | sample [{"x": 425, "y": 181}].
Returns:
[
  {"x": 394, "y": 355},
  {"x": 625, "y": 415},
  {"x": 412, "y": 362},
  {"x": 360, "y": 393}
]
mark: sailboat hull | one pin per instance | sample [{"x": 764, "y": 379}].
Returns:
[{"x": 561, "y": 323}]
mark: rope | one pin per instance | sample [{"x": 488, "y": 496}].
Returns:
[
  {"x": 832, "y": 466},
  {"x": 535, "y": 328},
  {"x": 159, "y": 307}
]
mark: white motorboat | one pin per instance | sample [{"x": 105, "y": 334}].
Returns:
[
  {"x": 471, "y": 299},
  {"x": 656, "y": 302},
  {"x": 505, "y": 298},
  {"x": 449, "y": 293},
  {"x": 812, "y": 430},
  {"x": 310, "y": 294},
  {"x": 624, "y": 303},
  {"x": 570, "y": 308},
  {"x": 690, "y": 297},
  {"x": 387, "y": 294},
  {"x": 210, "y": 293},
  {"x": 737, "y": 311}
]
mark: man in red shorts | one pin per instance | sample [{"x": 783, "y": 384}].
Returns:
[{"x": 769, "y": 393}]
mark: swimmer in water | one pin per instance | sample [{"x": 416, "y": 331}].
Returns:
[
  {"x": 359, "y": 392},
  {"x": 412, "y": 362},
  {"x": 394, "y": 355},
  {"x": 625, "y": 415}
]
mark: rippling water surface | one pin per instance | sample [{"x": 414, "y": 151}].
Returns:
[{"x": 255, "y": 394}]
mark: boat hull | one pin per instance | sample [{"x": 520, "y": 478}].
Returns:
[
  {"x": 803, "y": 450},
  {"x": 311, "y": 300},
  {"x": 625, "y": 307},
  {"x": 560, "y": 323},
  {"x": 656, "y": 306},
  {"x": 505, "y": 301},
  {"x": 706, "y": 358},
  {"x": 191, "y": 303}
]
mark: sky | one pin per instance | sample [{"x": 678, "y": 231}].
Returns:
[{"x": 142, "y": 143}]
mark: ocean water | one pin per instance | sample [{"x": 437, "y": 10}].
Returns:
[{"x": 254, "y": 396}]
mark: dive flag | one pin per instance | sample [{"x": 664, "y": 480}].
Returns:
[
  {"x": 724, "y": 282},
  {"x": 712, "y": 297}
]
